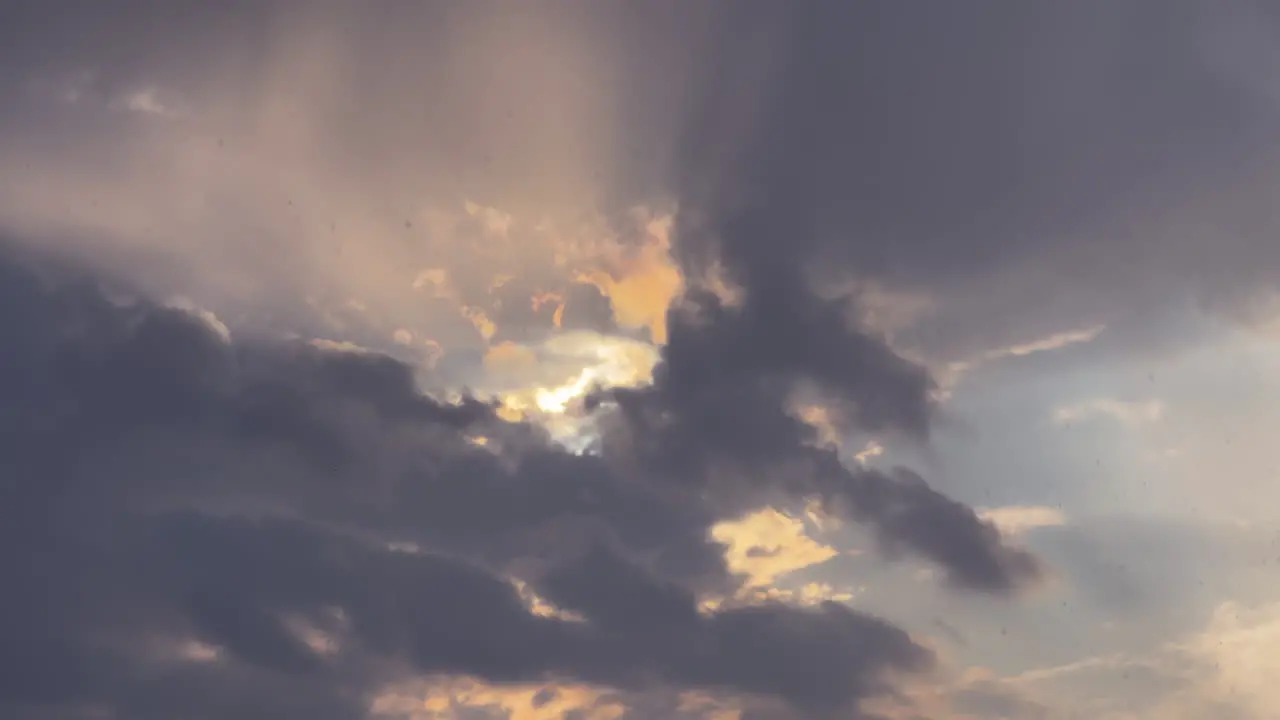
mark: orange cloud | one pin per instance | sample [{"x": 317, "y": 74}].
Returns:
[
  {"x": 486, "y": 327},
  {"x": 642, "y": 283},
  {"x": 435, "y": 280},
  {"x": 768, "y": 544},
  {"x": 708, "y": 707},
  {"x": 545, "y": 298},
  {"x": 443, "y": 698},
  {"x": 506, "y": 357},
  {"x": 820, "y": 417},
  {"x": 541, "y": 300}
]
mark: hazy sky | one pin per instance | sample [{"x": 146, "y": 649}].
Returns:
[{"x": 667, "y": 359}]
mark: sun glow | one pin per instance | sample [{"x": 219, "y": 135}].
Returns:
[
  {"x": 613, "y": 362},
  {"x": 546, "y": 384}
]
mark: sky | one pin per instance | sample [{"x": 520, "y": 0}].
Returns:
[{"x": 723, "y": 359}]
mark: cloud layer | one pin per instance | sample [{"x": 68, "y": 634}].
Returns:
[
  {"x": 171, "y": 485},
  {"x": 351, "y": 349}
]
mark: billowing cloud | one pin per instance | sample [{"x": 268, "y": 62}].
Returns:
[
  {"x": 312, "y": 522},
  {"x": 358, "y": 357},
  {"x": 1019, "y": 183},
  {"x": 717, "y": 416}
]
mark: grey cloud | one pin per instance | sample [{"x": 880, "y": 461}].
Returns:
[
  {"x": 906, "y": 512},
  {"x": 611, "y": 590},
  {"x": 1125, "y": 584},
  {"x": 1034, "y": 169},
  {"x": 520, "y": 320},
  {"x": 1168, "y": 573},
  {"x": 290, "y": 192},
  {"x": 587, "y": 309},
  {"x": 717, "y": 417},
  {"x": 166, "y": 485},
  {"x": 988, "y": 699},
  {"x": 783, "y": 334}
]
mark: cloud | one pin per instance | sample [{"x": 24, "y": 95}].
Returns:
[
  {"x": 1000, "y": 234},
  {"x": 1235, "y": 644},
  {"x": 1051, "y": 342},
  {"x": 1216, "y": 670},
  {"x": 260, "y": 201},
  {"x": 147, "y": 101},
  {"x": 1029, "y": 207},
  {"x": 717, "y": 417},
  {"x": 1017, "y": 519},
  {"x": 421, "y": 699},
  {"x": 950, "y": 373},
  {"x": 1220, "y": 668},
  {"x": 643, "y": 283},
  {"x": 767, "y": 544},
  {"x": 317, "y": 527},
  {"x": 1134, "y": 413},
  {"x": 718, "y": 211}
]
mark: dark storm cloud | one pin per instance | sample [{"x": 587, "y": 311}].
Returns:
[
  {"x": 718, "y": 418},
  {"x": 1035, "y": 168},
  {"x": 163, "y": 484},
  {"x": 984, "y": 155}
]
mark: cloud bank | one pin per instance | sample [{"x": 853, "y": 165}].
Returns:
[
  {"x": 172, "y": 487},
  {"x": 352, "y": 348}
]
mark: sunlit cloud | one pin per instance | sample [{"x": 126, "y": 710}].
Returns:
[
  {"x": 547, "y": 383},
  {"x": 509, "y": 203},
  {"x": 769, "y": 544},
  {"x": 1049, "y": 343},
  {"x": 642, "y": 282},
  {"x": 449, "y": 698},
  {"x": 949, "y": 374},
  {"x": 263, "y": 193},
  {"x": 147, "y": 101},
  {"x": 1018, "y": 519},
  {"x": 1130, "y": 413}
]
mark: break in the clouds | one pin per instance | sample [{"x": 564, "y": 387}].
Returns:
[{"x": 376, "y": 359}]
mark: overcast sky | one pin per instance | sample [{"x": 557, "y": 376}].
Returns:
[{"x": 671, "y": 359}]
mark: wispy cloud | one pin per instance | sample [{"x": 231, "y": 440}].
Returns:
[
  {"x": 950, "y": 374},
  {"x": 1132, "y": 413},
  {"x": 147, "y": 101},
  {"x": 1019, "y": 519},
  {"x": 1056, "y": 341}
]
